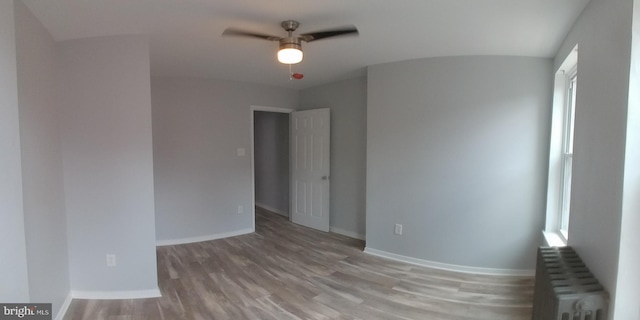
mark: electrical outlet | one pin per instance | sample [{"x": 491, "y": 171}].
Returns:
[
  {"x": 111, "y": 260},
  {"x": 398, "y": 230},
  {"x": 240, "y": 209}
]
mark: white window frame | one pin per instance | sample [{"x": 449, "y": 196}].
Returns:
[
  {"x": 567, "y": 153},
  {"x": 556, "y": 231}
]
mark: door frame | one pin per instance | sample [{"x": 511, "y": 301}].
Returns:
[{"x": 252, "y": 109}]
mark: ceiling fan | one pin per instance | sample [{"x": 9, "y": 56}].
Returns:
[{"x": 290, "y": 51}]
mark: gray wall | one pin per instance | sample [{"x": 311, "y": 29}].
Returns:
[
  {"x": 200, "y": 181},
  {"x": 105, "y": 95},
  {"x": 628, "y": 282},
  {"x": 13, "y": 265},
  {"x": 603, "y": 32},
  {"x": 271, "y": 160},
  {"x": 44, "y": 211},
  {"x": 457, "y": 152},
  {"x": 347, "y": 100}
]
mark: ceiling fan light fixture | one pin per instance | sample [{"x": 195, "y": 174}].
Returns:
[{"x": 290, "y": 51}]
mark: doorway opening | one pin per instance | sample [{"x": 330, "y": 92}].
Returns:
[
  {"x": 307, "y": 185},
  {"x": 270, "y": 170}
]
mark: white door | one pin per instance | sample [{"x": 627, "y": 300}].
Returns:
[{"x": 310, "y": 168}]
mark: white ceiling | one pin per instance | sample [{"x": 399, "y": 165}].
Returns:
[{"x": 185, "y": 35}]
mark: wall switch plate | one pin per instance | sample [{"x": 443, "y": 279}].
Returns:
[
  {"x": 111, "y": 260},
  {"x": 241, "y": 152},
  {"x": 398, "y": 229},
  {"x": 240, "y": 209}
]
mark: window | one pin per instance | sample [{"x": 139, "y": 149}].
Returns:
[
  {"x": 567, "y": 154},
  {"x": 561, "y": 152}
]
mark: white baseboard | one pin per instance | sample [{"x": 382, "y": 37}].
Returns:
[
  {"x": 64, "y": 307},
  {"x": 171, "y": 242},
  {"x": 116, "y": 295},
  {"x": 272, "y": 209},
  {"x": 450, "y": 267},
  {"x": 347, "y": 233}
]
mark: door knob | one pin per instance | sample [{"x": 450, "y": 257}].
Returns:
[{"x": 325, "y": 177}]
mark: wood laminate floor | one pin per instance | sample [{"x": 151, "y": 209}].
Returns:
[{"x": 285, "y": 271}]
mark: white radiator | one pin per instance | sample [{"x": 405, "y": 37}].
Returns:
[{"x": 565, "y": 289}]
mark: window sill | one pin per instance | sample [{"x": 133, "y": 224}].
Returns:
[{"x": 554, "y": 239}]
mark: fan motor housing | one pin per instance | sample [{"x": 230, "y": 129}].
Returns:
[{"x": 290, "y": 42}]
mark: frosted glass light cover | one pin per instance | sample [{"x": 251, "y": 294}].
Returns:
[{"x": 290, "y": 55}]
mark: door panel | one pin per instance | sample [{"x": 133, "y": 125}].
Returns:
[{"x": 310, "y": 132}]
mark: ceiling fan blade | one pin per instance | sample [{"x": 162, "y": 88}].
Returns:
[
  {"x": 242, "y": 33},
  {"x": 343, "y": 31}
]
